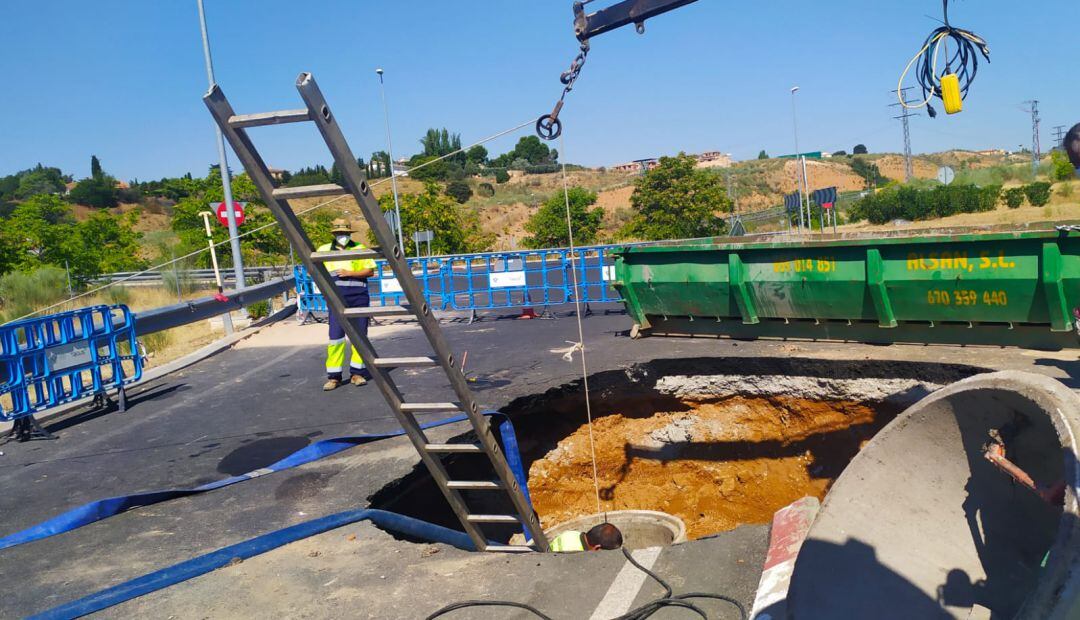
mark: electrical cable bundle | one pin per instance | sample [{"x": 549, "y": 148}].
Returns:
[
  {"x": 961, "y": 67},
  {"x": 641, "y": 613}
]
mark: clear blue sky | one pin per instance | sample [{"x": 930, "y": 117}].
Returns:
[{"x": 123, "y": 78}]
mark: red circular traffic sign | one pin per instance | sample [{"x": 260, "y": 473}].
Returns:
[{"x": 223, "y": 215}]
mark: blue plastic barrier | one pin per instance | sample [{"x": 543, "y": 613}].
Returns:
[
  {"x": 309, "y": 300},
  {"x": 489, "y": 281},
  {"x": 52, "y": 360}
]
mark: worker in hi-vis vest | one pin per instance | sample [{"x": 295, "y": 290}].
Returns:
[
  {"x": 350, "y": 278},
  {"x": 603, "y": 536}
]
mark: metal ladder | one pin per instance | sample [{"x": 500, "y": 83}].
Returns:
[{"x": 234, "y": 127}]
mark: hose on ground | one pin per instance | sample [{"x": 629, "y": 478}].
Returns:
[{"x": 641, "y": 613}]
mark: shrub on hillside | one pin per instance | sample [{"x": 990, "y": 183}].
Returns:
[
  {"x": 1014, "y": 197},
  {"x": 1038, "y": 194},
  {"x": 502, "y": 176},
  {"x": 1061, "y": 169},
  {"x": 911, "y": 203},
  {"x": 487, "y": 190},
  {"x": 459, "y": 191}
]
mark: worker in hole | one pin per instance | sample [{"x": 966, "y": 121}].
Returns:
[
  {"x": 603, "y": 536},
  {"x": 1072, "y": 146},
  {"x": 350, "y": 277}
]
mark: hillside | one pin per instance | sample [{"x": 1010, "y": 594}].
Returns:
[{"x": 758, "y": 184}]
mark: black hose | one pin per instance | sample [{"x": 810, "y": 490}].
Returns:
[
  {"x": 640, "y": 613},
  {"x": 964, "y": 61}
]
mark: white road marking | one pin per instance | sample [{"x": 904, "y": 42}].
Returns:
[{"x": 620, "y": 596}]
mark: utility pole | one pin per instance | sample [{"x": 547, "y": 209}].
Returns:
[
  {"x": 390, "y": 153},
  {"x": 802, "y": 190},
  {"x": 909, "y": 169},
  {"x": 1036, "y": 147},
  {"x": 1059, "y": 135},
  {"x": 226, "y": 181}
]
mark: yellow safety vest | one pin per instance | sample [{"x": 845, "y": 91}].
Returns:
[
  {"x": 567, "y": 542},
  {"x": 348, "y": 265}
]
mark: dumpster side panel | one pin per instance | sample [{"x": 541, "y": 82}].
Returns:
[{"x": 984, "y": 284}]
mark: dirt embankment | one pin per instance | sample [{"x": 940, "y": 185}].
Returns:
[{"x": 717, "y": 465}]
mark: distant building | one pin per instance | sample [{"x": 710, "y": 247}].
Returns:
[
  {"x": 276, "y": 174},
  {"x": 638, "y": 165},
  {"x": 714, "y": 159},
  {"x": 122, "y": 185},
  {"x": 992, "y": 152}
]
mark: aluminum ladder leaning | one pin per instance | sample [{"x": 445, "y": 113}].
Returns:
[{"x": 234, "y": 127}]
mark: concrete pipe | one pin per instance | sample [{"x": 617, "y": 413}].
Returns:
[
  {"x": 922, "y": 524},
  {"x": 641, "y": 529}
]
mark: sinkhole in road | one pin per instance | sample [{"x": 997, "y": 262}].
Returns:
[{"x": 717, "y": 442}]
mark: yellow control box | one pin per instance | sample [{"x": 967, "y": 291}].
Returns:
[{"x": 950, "y": 93}]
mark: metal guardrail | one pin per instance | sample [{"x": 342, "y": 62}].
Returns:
[
  {"x": 491, "y": 280},
  {"x": 57, "y": 359},
  {"x": 138, "y": 278},
  {"x": 160, "y": 319}
]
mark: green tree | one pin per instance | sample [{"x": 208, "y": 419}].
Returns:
[
  {"x": 762, "y": 154},
  {"x": 477, "y": 155},
  {"x": 108, "y": 244},
  {"x": 315, "y": 175},
  {"x": 840, "y": 153},
  {"x": 1061, "y": 169},
  {"x": 1014, "y": 197},
  {"x": 98, "y": 192},
  {"x": 860, "y": 149},
  {"x": 459, "y": 191},
  {"x": 1038, "y": 194},
  {"x": 95, "y": 167},
  {"x": 425, "y": 168},
  {"x": 502, "y": 176},
  {"x": 676, "y": 200},
  {"x": 547, "y": 227},
  {"x": 456, "y": 229},
  {"x": 39, "y": 180}
]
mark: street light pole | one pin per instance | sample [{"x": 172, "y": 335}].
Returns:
[
  {"x": 390, "y": 152},
  {"x": 226, "y": 182},
  {"x": 802, "y": 177}
]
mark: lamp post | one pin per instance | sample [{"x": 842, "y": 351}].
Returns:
[
  {"x": 802, "y": 178},
  {"x": 390, "y": 152},
  {"x": 226, "y": 182}
]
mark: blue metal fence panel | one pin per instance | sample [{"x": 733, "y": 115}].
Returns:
[
  {"x": 52, "y": 360},
  {"x": 491, "y": 280}
]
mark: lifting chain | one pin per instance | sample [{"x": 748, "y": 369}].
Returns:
[{"x": 549, "y": 126}]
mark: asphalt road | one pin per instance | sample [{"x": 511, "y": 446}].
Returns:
[{"x": 250, "y": 406}]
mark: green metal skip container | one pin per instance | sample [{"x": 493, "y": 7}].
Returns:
[{"x": 1019, "y": 289}]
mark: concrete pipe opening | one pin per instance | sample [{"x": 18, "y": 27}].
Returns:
[
  {"x": 923, "y": 524},
  {"x": 641, "y": 529},
  {"x": 714, "y": 442}
]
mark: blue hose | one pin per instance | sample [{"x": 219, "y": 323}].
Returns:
[
  {"x": 214, "y": 560},
  {"x": 104, "y": 508}
]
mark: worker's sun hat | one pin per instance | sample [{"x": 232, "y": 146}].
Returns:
[{"x": 341, "y": 226}]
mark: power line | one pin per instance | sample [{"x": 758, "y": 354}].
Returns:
[{"x": 909, "y": 168}]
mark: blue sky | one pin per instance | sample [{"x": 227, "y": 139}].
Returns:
[{"x": 123, "y": 79}]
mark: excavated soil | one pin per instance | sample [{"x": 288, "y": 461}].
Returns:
[{"x": 716, "y": 464}]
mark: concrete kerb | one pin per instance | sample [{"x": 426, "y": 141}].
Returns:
[{"x": 178, "y": 364}]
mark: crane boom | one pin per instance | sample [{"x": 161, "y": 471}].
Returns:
[{"x": 587, "y": 26}]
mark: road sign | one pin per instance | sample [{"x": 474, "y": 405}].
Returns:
[
  {"x": 423, "y": 236},
  {"x": 946, "y": 175},
  {"x": 223, "y": 215}
]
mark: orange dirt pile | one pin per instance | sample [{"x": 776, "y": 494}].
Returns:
[{"x": 717, "y": 465}]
